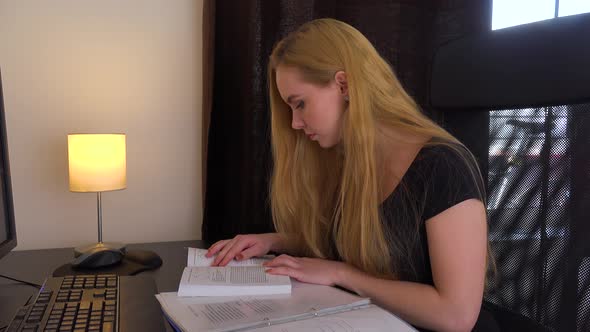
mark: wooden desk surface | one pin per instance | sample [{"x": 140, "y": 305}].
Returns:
[{"x": 36, "y": 265}]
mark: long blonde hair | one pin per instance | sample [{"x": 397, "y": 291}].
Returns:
[{"x": 327, "y": 200}]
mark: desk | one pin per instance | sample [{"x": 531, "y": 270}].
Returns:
[{"x": 36, "y": 265}]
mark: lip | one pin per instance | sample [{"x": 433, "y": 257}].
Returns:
[{"x": 311, "y": 136}]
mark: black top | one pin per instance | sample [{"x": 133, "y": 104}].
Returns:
[{"x": 438, "y": 178}]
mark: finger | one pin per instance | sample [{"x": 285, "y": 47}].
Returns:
[
  {"x": 221, "y": 255},
  {"x": 285, "y": 271},
  {"x": 236, "y": 248},
  {"x": 284, "y": 260},
  {"x": 215, "y": 247},
  {"x": 248, "y": 253}
]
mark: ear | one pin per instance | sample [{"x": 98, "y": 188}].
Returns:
[{"x": 340, "y": 78}]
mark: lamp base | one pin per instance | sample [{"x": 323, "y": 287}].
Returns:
[
  {"x": 98, "y": 255},
  {"x": 100, "y": 246}
]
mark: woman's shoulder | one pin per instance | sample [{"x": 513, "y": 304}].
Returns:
[
  {"x": 452, "y": 176},
  {"x": 445, "y": 157}
]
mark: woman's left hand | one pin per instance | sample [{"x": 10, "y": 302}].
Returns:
[{"x": 310, "y": 270}]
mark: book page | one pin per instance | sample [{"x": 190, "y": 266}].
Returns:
[
  {"x": 196, "y": 257},
  {"x": 231, "y": 281},
  {"x": 233, "y": 275}
]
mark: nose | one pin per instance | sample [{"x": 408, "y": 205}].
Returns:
[{"x": 297, "y": 121}]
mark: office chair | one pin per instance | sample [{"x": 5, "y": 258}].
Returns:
[{"x": 519, "y": 98}]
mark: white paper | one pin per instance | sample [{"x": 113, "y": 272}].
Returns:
[
  {"x": 231, "y": 313},
  {"x": 368, "y": 318}
]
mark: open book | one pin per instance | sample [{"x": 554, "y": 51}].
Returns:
[
  {"x": 308, "y": 308},
  {"x": 246, "y": 277}
]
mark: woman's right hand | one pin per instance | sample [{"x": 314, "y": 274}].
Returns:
[{"x": 242, "y": 247}]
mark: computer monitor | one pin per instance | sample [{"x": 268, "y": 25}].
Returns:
[{"x": 7, "y": 226}]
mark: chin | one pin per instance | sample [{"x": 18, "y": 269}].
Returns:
[{"x": 327, "y": 145}]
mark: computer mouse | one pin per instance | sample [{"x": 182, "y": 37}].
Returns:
[
  {"x": 98, "y": 257},
  {"x": 147, "y": 258}
]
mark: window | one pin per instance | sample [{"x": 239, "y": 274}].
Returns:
[{"x": 509, "y": 13}]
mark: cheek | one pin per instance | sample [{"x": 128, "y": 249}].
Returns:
[{"x": 331, "y": 109}]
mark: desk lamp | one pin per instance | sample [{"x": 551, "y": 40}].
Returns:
[{"x": 97, "y": 163}]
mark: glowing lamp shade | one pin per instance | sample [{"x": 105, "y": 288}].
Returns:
[{"x": 97, "y": 162}]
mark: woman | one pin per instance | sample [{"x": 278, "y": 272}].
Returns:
[{"x": 367, "y": 193}]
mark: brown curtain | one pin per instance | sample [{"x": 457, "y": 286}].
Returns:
[
  {"x": 208, "y": 62},
  {"x": 238, "y": 163}
]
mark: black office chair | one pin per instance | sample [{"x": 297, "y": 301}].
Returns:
[{"x": 519, "y": 98}]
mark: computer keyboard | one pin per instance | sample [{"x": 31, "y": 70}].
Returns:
[{"x": 91, "y": 303}]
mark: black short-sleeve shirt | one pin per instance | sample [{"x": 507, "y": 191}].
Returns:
[{"x": 438, "y": 178}]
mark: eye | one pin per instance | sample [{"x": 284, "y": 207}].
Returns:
[{"x": 300, "y": 105}]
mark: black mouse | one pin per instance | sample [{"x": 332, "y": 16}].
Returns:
[
  {"x": 98, "y": 257},
  {"x": 147, "y": 258}
]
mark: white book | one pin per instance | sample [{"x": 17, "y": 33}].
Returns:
[
  {"x": 308, "y": 308},
  {"x": 238, "y": 278}
]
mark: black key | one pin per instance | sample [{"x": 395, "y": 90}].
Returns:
[
  {"x": 59, "y": 305},
  {"x": 83, "y": 321},
  {"x": 108, "y": 327},
  {"x": 97, "y": 304},
  {"x": 99, "y": 293}
]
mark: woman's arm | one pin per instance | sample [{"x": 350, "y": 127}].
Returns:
[{"x": 457, "y": 240}]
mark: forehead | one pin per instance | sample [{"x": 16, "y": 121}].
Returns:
[
  {"x": 290, "y": 82},
  {"x": 288, "y": 76}
]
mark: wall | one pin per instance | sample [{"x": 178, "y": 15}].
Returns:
[{"x": 133, "y": 67}]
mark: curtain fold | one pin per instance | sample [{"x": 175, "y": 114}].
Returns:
[{"x": 208, "y": 62}]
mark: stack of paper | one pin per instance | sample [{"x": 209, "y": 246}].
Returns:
[
  {"x": 242, "y": 296},
  {"x": 308, "y": 307}
]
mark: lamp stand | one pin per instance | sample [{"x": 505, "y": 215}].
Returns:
[{"x": 100, "y": 246}]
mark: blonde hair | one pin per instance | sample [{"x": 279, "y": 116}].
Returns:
[{"x": 326, "y": 200}]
